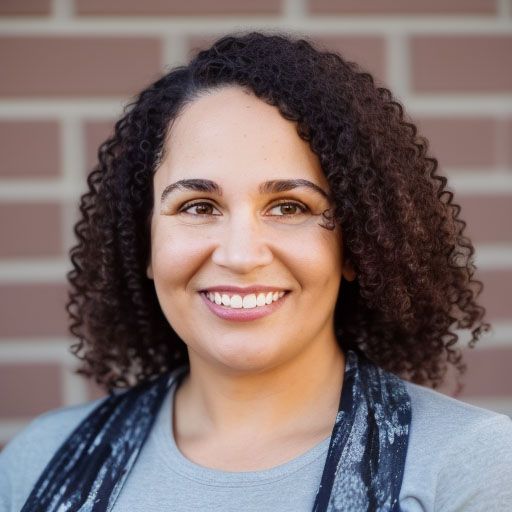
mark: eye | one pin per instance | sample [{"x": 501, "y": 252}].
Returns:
[
  {"x": 288, "y": 208},
  {"x": 199, "y": 208}
]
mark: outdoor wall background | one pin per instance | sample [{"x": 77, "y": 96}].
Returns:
[{"x": 68, "y": 67}]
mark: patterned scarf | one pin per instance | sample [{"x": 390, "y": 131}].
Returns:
[{"x": 363, "y": 469}]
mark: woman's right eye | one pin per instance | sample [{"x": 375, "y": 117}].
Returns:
[{"x": 199, "y": 208}]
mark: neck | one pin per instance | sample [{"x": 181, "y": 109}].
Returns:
[{"x": 299, "y": 396}]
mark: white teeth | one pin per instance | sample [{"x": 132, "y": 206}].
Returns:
[
  {"x": 236, "y": 301},
  {"x": 249, "y": 301}
]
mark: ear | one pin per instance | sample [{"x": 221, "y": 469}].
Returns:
[
  {"x": 348, "y": 271},
  {"x": 149, "y": 271}
]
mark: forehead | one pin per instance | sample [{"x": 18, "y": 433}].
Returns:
[{"x": 230, "y": 135}]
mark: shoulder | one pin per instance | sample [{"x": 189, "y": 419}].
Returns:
[
  {"x": 51, "y": 428},
  {"x": 458, "y": 453},
  {"x": 24, "y": 458},
  {"x": 448, "y": 421},
  {"x": 430, "y": 406}
]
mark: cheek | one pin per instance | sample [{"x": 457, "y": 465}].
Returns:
[
  {"x": 175, "y": 257},
  {"x": 315, "y": 256}
]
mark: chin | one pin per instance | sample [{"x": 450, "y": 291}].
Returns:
[{"x": 248, "y": 358}]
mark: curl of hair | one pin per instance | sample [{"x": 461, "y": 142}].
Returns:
[{"x": 401, "y": 228}]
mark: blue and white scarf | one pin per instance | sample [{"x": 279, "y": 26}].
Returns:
[{"x": 363, "y": 469}]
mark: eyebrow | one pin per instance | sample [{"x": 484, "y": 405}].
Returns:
[
  {"x": 196, "y": 185},
  {"x": 275, "y": 186},
  {"x": 268, "y": 187}
]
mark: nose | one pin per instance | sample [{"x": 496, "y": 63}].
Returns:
[{"x": 242, "y": 246}]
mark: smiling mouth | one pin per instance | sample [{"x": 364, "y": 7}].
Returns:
[{"x": 248, "y": 301}]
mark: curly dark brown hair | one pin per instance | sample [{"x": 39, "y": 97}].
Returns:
[{"x": 401, "y": 228}]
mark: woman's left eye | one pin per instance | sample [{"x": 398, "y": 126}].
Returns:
[{"x": 288, "y": 209}]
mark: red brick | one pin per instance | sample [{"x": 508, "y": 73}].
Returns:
[
  {"x": 96, "y": 132},
  {"x": 30, "y": 229},
  {"x": 508, "y": 142},
  {"x": 403, "y": 7},
  {"x": 488, "y": 217},
  {"x": 25, "y": 7},
  {"x": 32, "y": 310},
  {"x": 488, "y": 372},
  {"x": 495, "y": 295},
  {"x": 176, "y": 7},
  {"x": 29, "y": 149},
  {"x": 77, "y": 66},
  {"x": 462, "y": 142},
  {"x": 29, "y": 389},
  {"x": 460, "y": 64}
]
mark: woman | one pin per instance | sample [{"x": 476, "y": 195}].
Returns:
[{"x": 266, "y": 226}]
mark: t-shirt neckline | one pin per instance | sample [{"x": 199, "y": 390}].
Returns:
[{"x": 177, "y": 462}]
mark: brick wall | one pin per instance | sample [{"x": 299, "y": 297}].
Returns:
[{"x": 69, "y": 66}]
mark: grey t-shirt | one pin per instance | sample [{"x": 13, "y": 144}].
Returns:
[{"x": 459, "y": 459}]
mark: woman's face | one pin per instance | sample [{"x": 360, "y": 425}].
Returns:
[{"x": 243, "y": 270}]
